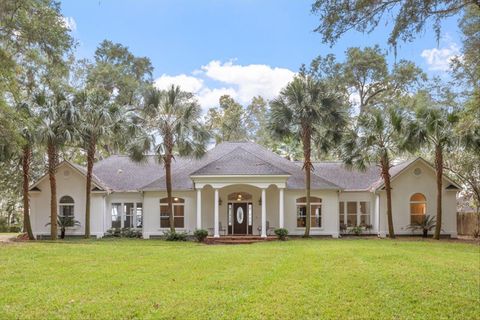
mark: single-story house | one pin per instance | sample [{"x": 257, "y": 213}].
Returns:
[{"x": 241, "y": 188}]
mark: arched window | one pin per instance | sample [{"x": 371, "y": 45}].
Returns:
[
  {"x": 418, "y": 208},
  {"x": 315, "y": 210},
  {"x": 66, "y": 207},
  {"x": 239, "y": 196},
  {"x": 178, "y": 213}
]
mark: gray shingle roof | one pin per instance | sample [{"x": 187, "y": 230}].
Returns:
[
  {"x": 354, "y": 180},
  {"x": 119, "y": 173},
  {"x": 181, "y": 179},
  {"x": 239, "y": 162}
]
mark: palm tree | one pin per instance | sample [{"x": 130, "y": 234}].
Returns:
[
  {"x": 64, "y": 222},
  {"x": 427, "y": 224},
  {"x": 375, "y": 141},
  {"x": 26, "y": 158},
  {"x": 171, "y": 118},
  {"x": 57, "y": 117},
  {"x": 97, "y": 116},
  {"x": 432, "y": 127},
  {"x": 305, "y": 110}
]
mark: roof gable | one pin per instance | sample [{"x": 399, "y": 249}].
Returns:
[
  {"x": 77, "y": 168},
  {"x": 400, "y": 169},
  {"x": 239, "y": 162}
]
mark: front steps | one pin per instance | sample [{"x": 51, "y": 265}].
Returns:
[{"x": 238, "y": 239}]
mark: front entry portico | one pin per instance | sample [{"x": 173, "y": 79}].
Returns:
[{"x": 241, "y": 212}]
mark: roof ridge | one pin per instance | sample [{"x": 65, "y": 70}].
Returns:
[{"x": 292, "y": 164}]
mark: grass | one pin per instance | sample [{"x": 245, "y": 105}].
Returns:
[{"x": 299, "y": 279}]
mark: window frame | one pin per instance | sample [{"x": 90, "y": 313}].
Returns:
[
  {"x": 179, "y": 202},
  {"x": 343, "y": 213},
  {"x": 417, "y": 202},
  {"x": 62, "y": 205},
  {"x": 123, "y": 216},
  {"x": 317, "y": 203}
]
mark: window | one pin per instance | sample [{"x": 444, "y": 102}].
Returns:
[
  {"x": 418, "y": 208},
  {"x": 364, "y": 213},
  {"x": 178, "y": 213},
  {"x": 341, "y": 211},
  {"x": 239, "y": 196},
  {"x": 66, "y": 207},
  {"x": 353, "y": 213},
  {"x": 128, "y": 209},
  {"x": 139, "y": 216},
  {"x": 315, "y": 210},
  {"x": 127, "y": 215},
  {"x": 116, "y": 215}
]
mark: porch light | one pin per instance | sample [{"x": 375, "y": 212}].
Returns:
[
  {"x": 220, "y": 201},
  {"x": 260, "y": 201},
  {"x": 175, "y": 199}
]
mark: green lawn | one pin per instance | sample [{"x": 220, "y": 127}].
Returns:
[{"x": 298, "y": 279}]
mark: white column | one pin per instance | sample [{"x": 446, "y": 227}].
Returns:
[
  {"x": 264, "y": 215},
  {"x": 280, "y": 209},
  {"x": 199, "y": 209},
  {"x": 216, "y": 233}
]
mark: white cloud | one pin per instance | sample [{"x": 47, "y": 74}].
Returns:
[
  {"x": 242, "y": 82},
  {"x": 439, "y": 59},
  {"x": 187, "y": 83},
  {"x": 70, "y": 23}
]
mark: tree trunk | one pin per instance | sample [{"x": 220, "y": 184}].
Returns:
[
  {"x": 168, "y": 140},
  {"x": 26, "y": 159},
  {"x": 439, "y": 170},
  {"x": 52, "y": 168},
  {"x": 88, "y": 191},
  {"x": 62, "y": 233},
  {"x": 307, "y": 166},
  {"x": 425, "y": 233},
  {"x": 385, "y": 164}
]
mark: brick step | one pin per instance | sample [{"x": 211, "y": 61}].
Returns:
[{"x": 238, "y": 239}]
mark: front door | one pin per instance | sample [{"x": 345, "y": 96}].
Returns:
[{"x": 240, "y": 218}]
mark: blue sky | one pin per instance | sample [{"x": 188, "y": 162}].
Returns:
[{"x": 238, "y": 47}]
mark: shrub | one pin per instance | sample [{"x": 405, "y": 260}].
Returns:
[
  {"x": 357, "y": 230},
  {"x": 15, "y": 229},
  {"x": 123, "y": 233},
  {"x": 200, "y": 234},
  {"x": 343, "y": 227},
  {"x": 131, "y": 233},
  {"x": 113, "y": 233},
  {"x": 281, "y": 233},
  {"x": 175, "y": 236}
]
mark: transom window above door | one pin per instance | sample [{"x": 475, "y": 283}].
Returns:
[{"x": 239, "y": 196}]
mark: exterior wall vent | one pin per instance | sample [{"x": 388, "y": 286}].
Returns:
[{"x": 417, "y": 171}]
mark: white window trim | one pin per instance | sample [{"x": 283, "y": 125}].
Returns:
[
  {"x": 174, "y": 216},
  {"x": 123, "y": 216},
  {"x": 417, "y": 202},
  {"x": 358, "y": 213},
  {"x": 311, "y": 204}
]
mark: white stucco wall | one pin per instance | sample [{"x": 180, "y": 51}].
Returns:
[
  {"x": 407, "y": 184},
  {"x": 68, "y": 184},
  {"x": 330, "y": 220}
]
